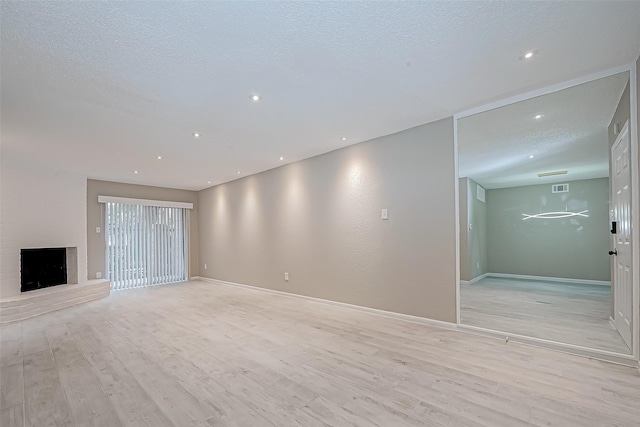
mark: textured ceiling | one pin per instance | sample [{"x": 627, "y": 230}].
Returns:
[
  {"x": 103, "y": 88},
  {"x": 494, "y": 146}
]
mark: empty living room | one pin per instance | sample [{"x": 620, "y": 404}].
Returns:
[{"x": 363, "y": 213}]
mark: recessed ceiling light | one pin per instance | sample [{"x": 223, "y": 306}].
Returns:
[
  {"x": 208, "y": 182},
  {"x": 238, "y": 172},
  {"x": 538, "y": 116},
  {"x": 196, "y": 135},
  {"x": 528, "y": 55},
  {"x": 255, "y": 97},
  {"x": 281, "y": 158},
  {"x": 159, "y": 157},
  {"x": 135, "y": 171},
  {"x": 531, "y": 156},
  {"x": 344, "y": 138}
]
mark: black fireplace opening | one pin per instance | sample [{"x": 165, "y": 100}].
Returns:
[{"x": 43, "y": 267}]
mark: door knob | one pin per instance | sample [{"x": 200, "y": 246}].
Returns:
[{"x": 613, "y": 252}]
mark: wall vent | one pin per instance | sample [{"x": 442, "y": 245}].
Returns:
[
  {"x": 560, "y": 188},
  {"x": 480, "y": 194}
]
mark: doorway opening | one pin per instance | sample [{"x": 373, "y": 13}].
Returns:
[{"x": 542, "y": 215}]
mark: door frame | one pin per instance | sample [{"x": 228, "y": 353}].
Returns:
[{"x": 626, "y": 359}]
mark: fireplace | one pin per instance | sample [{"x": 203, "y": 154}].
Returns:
[{"x": 45, "y": 267}]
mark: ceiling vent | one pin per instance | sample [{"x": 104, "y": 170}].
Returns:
[{"x": 560, "y": 188}]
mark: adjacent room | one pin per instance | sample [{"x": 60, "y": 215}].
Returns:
[
  {"x": 319, "y": 213},
  {"x": 538, "y": 217}
]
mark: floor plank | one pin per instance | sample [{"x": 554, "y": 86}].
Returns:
[
  {"x": 87, "y": 401},
  {"x": 45, "y": 402}
]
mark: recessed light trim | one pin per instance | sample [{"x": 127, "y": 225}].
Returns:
[
  {"x": 208, "y": 182},
  {"x": 528, "y": 55},
  {"x": 196, "y": 135},
  {"x": 256, "y": 98},
  {"x": 531, "y": 156},
  {"x": 135, "y": 171},
  {"x": 538, "y": 116},
  {"x": 159, "y": 157},
  {"x": 344, "y": 138},
  {"x": 281, "y": 158},
  {"x": 238, "y": 172}
]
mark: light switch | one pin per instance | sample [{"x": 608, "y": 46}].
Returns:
[
  {"x": 99, "y": 275},
  {"x": 98, "y": 230},
  {"x": 384, "y": 214}
]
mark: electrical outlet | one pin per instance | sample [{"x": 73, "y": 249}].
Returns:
[
  {"x": 384, "y": 214},
  {"x": 98, "y": 230},
  {"x": 478, "y": 265},
  {"x": 99, "y": 275},
  {"x": 205, "y": 266},
  {"x": 286, "y": 276}
]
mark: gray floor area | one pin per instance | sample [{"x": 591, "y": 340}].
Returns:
[{"x": 558, "y": 311}]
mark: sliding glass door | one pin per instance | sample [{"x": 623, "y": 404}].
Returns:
[{"x": 145, "y": 245}]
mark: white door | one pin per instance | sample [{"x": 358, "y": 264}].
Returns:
[{"x": 621, "y": 206}]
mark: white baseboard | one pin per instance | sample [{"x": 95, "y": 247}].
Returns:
[
  {"x": 194, "y": 278},
  {"x": 607, "y": 356},
  {"x": 474, "y": 280},
  {"x": 391, "y": 314},
  {"x": 549, "y": 279}
]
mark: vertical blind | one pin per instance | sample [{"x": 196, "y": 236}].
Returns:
[{"x": 145, "y": 245}]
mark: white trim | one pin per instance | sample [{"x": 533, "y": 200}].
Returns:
[
  {"x": 635, "y": 209},
  {"x": 456, "y": 211},
  {"x": 384, "y": 313},
  {"x": 549, "y": 279},
  {"x": 607, "y": 356},
  {"x": 144, "y": 202},
  {"x": 474, "y": 280},
  {"x": 195, "y": 278},
  {"x": 612, "y": 323}
]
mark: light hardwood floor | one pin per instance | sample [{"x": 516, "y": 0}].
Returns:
[
  {"x": 204, "y": 354},
  {"x": 570, "y": 313}
]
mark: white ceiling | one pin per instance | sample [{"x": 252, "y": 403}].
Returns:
[
  {"x": 102, "y": 88},
  {"x": 494, "y": 146}
]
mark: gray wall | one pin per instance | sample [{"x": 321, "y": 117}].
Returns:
[
  {"x": 95, "y": 217},
  {"x": 473, "y": 231},
  {"x": 319, "y": 220},
  {"x": 573, "y": 248}
]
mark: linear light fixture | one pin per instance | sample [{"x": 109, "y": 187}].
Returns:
[
  {"x": 555, "y": 215},
  {"x": 540, "y": 175}
]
